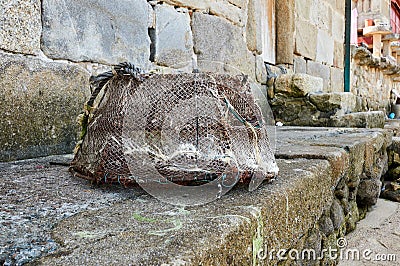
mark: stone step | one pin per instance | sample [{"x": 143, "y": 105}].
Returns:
[
  {"x": 373, "y": 119},
  {"x": 343, "y": 102},
  {"x": 323, "y": 171},
  {"x": 297, "y": 85},
  {"x": 299, "y": 100}
]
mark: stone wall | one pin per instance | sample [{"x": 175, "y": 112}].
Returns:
[
  {"x": 40, "y": 97},
  {"x": 319, "y": 39},
  {"x": 48, "y": 50},
  {"x": 373, "y": 80}
]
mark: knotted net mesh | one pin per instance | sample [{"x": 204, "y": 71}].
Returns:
[{"x": 186, "y": 128}]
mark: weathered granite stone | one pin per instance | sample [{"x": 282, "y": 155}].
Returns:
[
  {"x": 239, "y": 3},
  {"x": 193, "y": 4},
  {"x": 342, "y": 190},
  {"x": 320, "y": 70},
  {"x": 300, "y": 65},
  {"x": 337, "y": 215},
  {"x": 356, "y": 167},
  {"x": 337, "y": 79},
  {"x": 338, "y": 57},
  {"x": 352, "y": 217},
  {"x": 353, "y": 190},
  {"x": 296, "y": 112},
  {"x": 338, "y": 25},
  {"x": 343, "y": 102},
  {"x": 306, "y": 39},
  {"x": 375, "y": 119},
  {"x": 321, "y": 15},
  {"x": 368, "y": 192},
  {"x": 376, "y": 160},
  {"x": 101, "y": 31},
  {"x": 340, "y": 6},
  {"x": 220, "y": 46},
  {"x": 345, "y": 205},
  {"x": 229, "y": 12},
  {"x": 329, "y": 243},
  {"x": 233, "y": 12},
  {"x": 394, "y": 173},
  {"x": 314, "y": 243},
  {"x": 325, "y": 47},
  {"x": 285, "y": 31},
  {"x": 253, "y": 26},
  {"x": 326, "y": 225},
  {"x": 173, "y": 38},
  {"x": 20, "y": 26},
  {"x": 39, "y": 105},
  {"x": 303, "y": 8},
  {"x": 395, "y": 145},
  {"x": 392, "y": 191},
  {"x": 230, "y": 230},
  {"x": 261, "y": 71},
  {"x": 297, "y": 85}
]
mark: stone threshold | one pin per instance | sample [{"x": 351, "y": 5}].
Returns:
[{"x": 327, "y": 180}]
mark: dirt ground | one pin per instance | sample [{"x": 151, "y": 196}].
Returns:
[{"x": 376, "y": 240}]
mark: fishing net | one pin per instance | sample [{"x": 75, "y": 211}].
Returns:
[{"x": 187, "y": 128}]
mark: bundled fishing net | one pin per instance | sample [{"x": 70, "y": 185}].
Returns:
[{"x": 187, "y": 128}]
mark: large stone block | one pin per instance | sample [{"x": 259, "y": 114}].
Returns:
[
  {"x": 96, "y": 30},
  {"x": 253, "y": 27},
  {"x": 239, "y": 3},
  {"x": 220, "y": 46},
  {"x": 261, "y": 71},
  {"x": 296, "y": 112},
  {"x": 297, "y": 85},
  {"x": 340, "y": 6},
  {"x": 321, "y": 15},
  {"x": 338, "y": 25},
  {"x": 300, "y": 65},
  {"x": 285, "y": 31},
  {"x": 338, "y": 57},
  {"x": 232, "y": 10},
  {"x": 337, "y": 215},
  {"x": 173, "y": 38},
  {"x": 193, "y": 4},
  {"x": 320, "y": 70},
  {"x": 20, "y": 26},
  {"x": 306, "y": 39},
  {"x": 302, "y": 8},
  {"x": 375, "y": 119},
  {"x": 325, "y": 47},
  {"x": 343, "y": 102},
  {"x": 39, "y": 105},
  {"x": 229, "y": 12},
  {"x": 337, "y": 79},
  {"x": 368, "y": 192}
]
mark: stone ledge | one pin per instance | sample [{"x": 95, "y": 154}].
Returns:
[
  {"x": 345, "y": 102},
  {"x": 143, "y": 231},
  {"x": 373, "y": 119},
  {"x": 297, "y": 85},
  {"x": 310, "y": 205}
]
